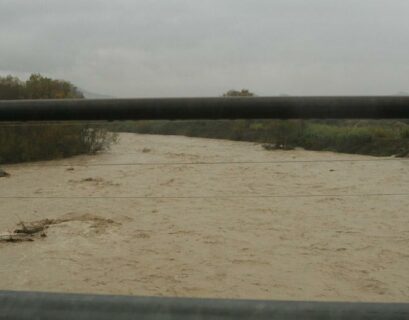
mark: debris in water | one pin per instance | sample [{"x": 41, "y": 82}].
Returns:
[
  {"x": 37, "y": 229},
  {"x": 4, "y": 174},
  {"x": 26, "y": 232}
]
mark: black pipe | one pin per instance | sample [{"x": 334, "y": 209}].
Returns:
[
  {"x": 32, "y": 306},
  {"x": 377, "y": 107}
]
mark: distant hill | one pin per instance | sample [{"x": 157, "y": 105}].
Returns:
[
  {"x": 92, "y": 95},
  {"x": 402, "y": 93}
]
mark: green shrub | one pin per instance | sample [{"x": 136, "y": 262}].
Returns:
[
  {"x": 333, "y": 138},
  {"x": 20, "y": 143},
  {"x": 404, "y": 134}
]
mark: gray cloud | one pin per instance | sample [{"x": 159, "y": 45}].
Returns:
[{"x": 202, "y": 48}]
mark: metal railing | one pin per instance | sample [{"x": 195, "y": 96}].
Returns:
[
  {"x": 44, "y": 306},
  {"x": 380, "y": 107}
]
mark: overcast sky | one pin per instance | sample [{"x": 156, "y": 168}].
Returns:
[{"x": 135, "y": 48}]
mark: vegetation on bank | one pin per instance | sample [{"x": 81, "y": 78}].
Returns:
[
  {"x": 21, "y": 142},
  {"x": 378, "y": 138}
]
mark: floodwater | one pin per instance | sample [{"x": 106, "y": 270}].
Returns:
[{"x": 189, "y": 217}]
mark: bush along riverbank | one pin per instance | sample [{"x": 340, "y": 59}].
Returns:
[
  {"x": 377, "y": 138},
  {"x": 20, "y": 142}
]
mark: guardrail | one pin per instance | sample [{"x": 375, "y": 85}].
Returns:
[
  {"x": 380, "y": 107},
  {"x": 25, "y": 305},
  {"x": 44, "y": 306}
]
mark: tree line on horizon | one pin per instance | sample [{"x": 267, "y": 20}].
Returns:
[{"x": 37, "y": 87}]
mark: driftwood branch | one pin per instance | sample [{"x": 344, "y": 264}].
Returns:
[
  {"x": 15, "y": 237},
  {"x": 26, "y": 232}
]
